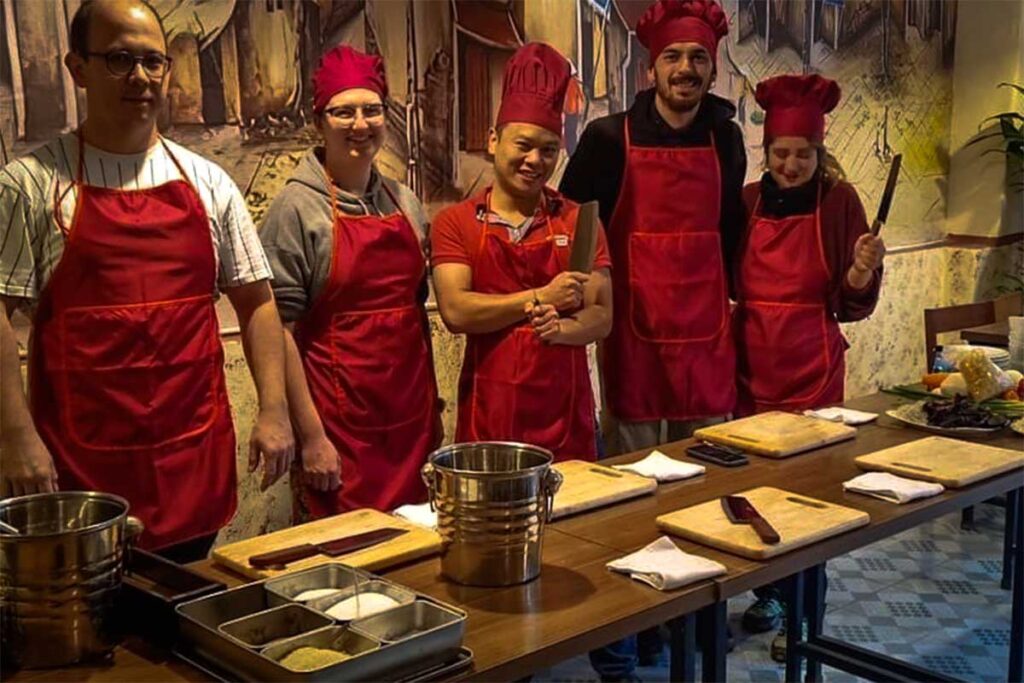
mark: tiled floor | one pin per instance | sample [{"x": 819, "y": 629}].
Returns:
[{"x": 930, "y": 596}]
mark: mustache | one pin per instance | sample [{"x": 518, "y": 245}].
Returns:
[{"x": 682, "y": 79}]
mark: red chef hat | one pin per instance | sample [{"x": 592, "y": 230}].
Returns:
[
  {"x": 344, "y": 68},
  {"x": 533, "y": 90},
  {"x": 796, "y": 105},
  {"x": 682, "y": 21}
]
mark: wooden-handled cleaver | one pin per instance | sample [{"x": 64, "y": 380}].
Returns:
[
  {"x": 739, "y": 510},
  {"x": 279, "y": 559},
  {"x": 887, "y": 193},
  {"x": 584, "y": 242}
]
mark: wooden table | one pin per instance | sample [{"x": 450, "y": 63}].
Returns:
[
  {"x": 577, "y": 604},
  {"x": 995, "y": 334}
]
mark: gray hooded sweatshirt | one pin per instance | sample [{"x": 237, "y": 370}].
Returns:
[{"x": 298, "y": 234}]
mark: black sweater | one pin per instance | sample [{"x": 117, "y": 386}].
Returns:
[{"x": 596, "y": 169}]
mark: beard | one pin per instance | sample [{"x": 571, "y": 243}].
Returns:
[{"x": 686, "y": 101}]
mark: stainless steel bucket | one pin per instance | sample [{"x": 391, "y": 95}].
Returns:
[
  {"x": 60, "y": 575},
  {"x": 492, "y": 500}
]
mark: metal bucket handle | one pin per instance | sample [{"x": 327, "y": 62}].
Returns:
[
  {"x": 427, "y": 473},
  {"x": 133, "y": 528},
  {"x": 552, "y": 482}
]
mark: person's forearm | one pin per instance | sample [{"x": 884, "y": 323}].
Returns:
[
  {"x": 476, "y": 313},
  {"x": 591, "y": 324},
  {"x": 303, "y": 411},
  {"x": 263, "y": 343},
  {"x": 14, "y": 411}
]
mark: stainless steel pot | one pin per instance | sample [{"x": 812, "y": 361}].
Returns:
[
  {"x": 492, "y": 500},
  {"x": 60, "y": 575}
]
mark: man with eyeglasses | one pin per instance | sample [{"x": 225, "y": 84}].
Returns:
[{"x": 117, "y": 243}]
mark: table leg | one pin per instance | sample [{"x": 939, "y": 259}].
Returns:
[
  {"x": 713, "y": 625},
  {"x": 815, "y": 600},
  {"x": 682, "y": 648},
  {"x": 794, "y": 625},
  {"x": 1015, "y": 502},
  {"x": 1013, "y": 520}
]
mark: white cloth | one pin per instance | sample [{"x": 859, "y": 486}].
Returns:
[
  {"x": 665, "y": 567},
  {"x": 659, "y": 466},
  {"x": 892, "y": 488},
  {"x": 418, "y": 514},
  {"x": 844, "y": 415},
  {"x": 31, "y": 244}
]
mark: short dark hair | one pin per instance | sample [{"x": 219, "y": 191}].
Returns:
[{"x": 82, "y": 22}]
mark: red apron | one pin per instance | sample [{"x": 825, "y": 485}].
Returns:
[
  {"x": 127, "y": 370},
  {"x": 513, "y": 386},
  {"x": 790, "y": 347},
  {"x": 365, "y": 347},
  {"x": 670, "y": 354}
]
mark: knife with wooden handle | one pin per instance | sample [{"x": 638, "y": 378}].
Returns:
[
  {"x": 279, "y": 559},
  {"x": 739, "y": 510}
]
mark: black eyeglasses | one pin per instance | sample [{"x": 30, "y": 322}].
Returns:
[
  {"x": 346, "y": 114},
  {"x": 121, "y": 62}
]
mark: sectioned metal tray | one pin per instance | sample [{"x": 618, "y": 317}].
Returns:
[{"x": 226, "y": 630}]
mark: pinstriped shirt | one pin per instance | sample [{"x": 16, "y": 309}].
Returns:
[{"x": 31, "y": 241}]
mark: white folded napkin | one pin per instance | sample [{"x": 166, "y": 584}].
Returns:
[
  {"x": 665, "y": 567},
  {"x": 659, "y": 466},
  {"x": 418, "y": 514},
  {"x": 844, "y": 415},
  {"x": 892, "y": 488}
]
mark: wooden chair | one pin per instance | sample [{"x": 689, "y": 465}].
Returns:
[{"x": 955, "y": 318}]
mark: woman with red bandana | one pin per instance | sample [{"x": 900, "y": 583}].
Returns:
[
  {"x": 347, "y": 247},
  {"x": 807, "y": 262}
]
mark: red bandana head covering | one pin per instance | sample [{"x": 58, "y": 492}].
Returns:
[
  {"x": 344, "y": 68},
  {"x": 533, "y": 90},
  {"x": 796, "y": 105},
  {"x": 682, "y": 21}
]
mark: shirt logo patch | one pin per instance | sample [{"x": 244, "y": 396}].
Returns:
[{"x": 561, "y": 240}]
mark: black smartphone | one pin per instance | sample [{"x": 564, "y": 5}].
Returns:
[{"x": 717, "y": 455}]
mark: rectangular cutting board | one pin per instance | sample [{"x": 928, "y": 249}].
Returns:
[
  {"x": 418, "y": 542},
  {"x": 776, "y": 434},
  {"x": 950, "y": 462},
  {"x": 587, "y": 485},
  {"x": 800, "y": 520}
]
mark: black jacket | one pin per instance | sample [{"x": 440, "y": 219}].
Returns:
[{"x": 596, "y": 168}]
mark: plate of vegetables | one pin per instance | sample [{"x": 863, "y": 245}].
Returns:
[{"x": 957, "y": 417}]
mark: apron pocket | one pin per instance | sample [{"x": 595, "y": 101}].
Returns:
[
  {"x": 139, "y": 376},
  {"x": 785, "y": 350},
  {"x": 381, "y": 368},
  {"x": 677, "y": 286}
]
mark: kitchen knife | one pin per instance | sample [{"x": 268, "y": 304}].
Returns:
[
  {"x": 584, "y": 242},
  {"x": 739, "y": 511},
  {"x": 278, "y": 559},
  {"x": 887, "y": 193}
]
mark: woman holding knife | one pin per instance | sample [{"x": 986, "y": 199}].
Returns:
[{"x": 807, "y": 262}]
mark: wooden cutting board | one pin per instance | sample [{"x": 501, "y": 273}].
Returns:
[
  {"x": 418, "y": 542},
  {"x": 776, "y": 434},
  {"x": 950, "y": 462},
  {"x": 800, "y": 520},
  {"x": 587, "y": 485}
]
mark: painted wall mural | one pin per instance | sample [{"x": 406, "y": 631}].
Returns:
[{"x": 240, "y": 89}]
